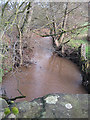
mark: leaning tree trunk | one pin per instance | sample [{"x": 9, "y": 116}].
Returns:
[
  {"x": 64, "y": 23},
  {"x": 60, "y": 38},
  {"x": 21, "y": 61},
  {"x": 20, "y": 29},
  {"x": 20, "y": 45},
  {"x": 54, "y": 26},
  {"x": 88, "y": 36},
  {"x": 26, "y": 17}
]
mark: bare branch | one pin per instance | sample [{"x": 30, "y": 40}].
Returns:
[
  {"x": 3, "y": 9},
  {"x": 74, "y": 29},
  {"x": 70, "y": 12}
]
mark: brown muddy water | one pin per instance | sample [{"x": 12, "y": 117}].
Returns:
[{"x": 48, "y": 74}]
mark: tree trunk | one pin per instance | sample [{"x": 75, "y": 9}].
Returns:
[
  {"x": 61, "y": 37},
  {"x": 26, "y": 18},
  {"x": 20, "y": 40},
  {"x": 21, "y": 56},
  {"x": 88, "y": 37}
]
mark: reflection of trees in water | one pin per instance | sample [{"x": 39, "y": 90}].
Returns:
[{"x": 55, "y": 64}]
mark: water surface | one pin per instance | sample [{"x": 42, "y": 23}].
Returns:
[{"x": 48, "y": 74}]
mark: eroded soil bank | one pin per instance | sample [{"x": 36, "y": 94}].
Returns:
[{"x": 47, "y": 74}]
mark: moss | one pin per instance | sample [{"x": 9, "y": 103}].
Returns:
[
  {"x": 15, "y": 110},
  {"x": 7, "y": 111}
]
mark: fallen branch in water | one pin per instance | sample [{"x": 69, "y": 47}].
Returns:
[
  {"x": 18, "y": 97},
  {"x": 4, "y": 96}
]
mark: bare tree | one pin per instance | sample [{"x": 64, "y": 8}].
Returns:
[
  {"x": 60, "y": 20},
  {"x": 16, "y": 15}
]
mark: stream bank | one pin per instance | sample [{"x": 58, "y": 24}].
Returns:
[{"x": 77, "y": 56}]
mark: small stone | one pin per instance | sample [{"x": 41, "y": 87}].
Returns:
[
  {"x": 2, "y": 115},
  {"x": 11, "y": 116},
  {"x": 41, "y": 104},
  {"x": 68, "y": 114},
  {"x": 68, "y": 106},
  {"x": 20, "y": 108}
]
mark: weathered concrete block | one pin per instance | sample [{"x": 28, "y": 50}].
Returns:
[
  {"x": 55, "y": 106},
  {"x": 3, "y": 104}
]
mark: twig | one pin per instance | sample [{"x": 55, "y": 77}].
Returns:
[
  {"x": 20, "y": 92},
  {"x": 66, "y": 42},
  {"x": 18, "y": 97}
]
